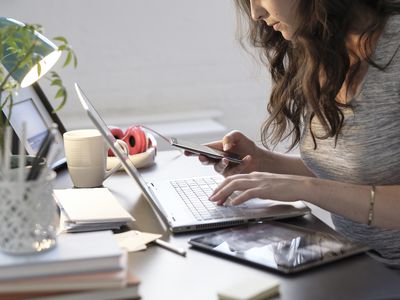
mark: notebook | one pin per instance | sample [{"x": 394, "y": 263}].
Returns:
[
  {"x": 91, "y": 209},
  {"x": 74, "y": 253},
  {"x": 68, "y": 282},
  {"x": 183, "y": 203},
  {"x": 128, "y": 291}
]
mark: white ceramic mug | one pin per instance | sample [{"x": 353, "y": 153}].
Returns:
[{"x": 86, "y": 153}]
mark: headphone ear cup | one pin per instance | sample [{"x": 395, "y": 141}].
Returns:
[
  {"x": 141, "y": 136},
  {"x": 136, "y": 139}
]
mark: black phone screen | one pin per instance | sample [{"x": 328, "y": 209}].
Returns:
[{"x": 205, "y": 150}]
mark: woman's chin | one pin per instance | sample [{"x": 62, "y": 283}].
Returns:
[{"x": 286, "y": 35}]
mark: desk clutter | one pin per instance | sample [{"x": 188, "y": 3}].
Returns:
[
  {"x": 90, "y": 210},
  {"x": 82, "y": 266}
]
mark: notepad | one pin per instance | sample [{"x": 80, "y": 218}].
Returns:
[
  {"x": 91, "y": 209},
  {"x": 256, "y": 288}
]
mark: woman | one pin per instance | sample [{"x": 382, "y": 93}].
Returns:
[{"x": 335, "y": 68}]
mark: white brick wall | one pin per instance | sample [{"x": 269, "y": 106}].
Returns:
[{"x": 141, "y": 59}]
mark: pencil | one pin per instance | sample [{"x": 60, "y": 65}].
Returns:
[
  {"x": 22, "y": 157},
  {"x": 170, "y": 247}
]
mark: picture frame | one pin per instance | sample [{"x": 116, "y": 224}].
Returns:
[{"x": 31, "y": 105}]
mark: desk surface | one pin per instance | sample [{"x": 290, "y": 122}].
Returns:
[{"x": 166, "y": 275}]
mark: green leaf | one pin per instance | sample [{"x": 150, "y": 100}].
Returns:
[
  {"x": 75, "y": 61},
  {"x": 61, "y": 39},
  {"x": 56, "y": 82},
  {"x": 62, "y": 48},
  {"x": 61, "y": 105},
  {"x": 54, "y": 74},
  {"x": 68, "y": 59},
  {"x": 60, "y": 93},
  {"x": 39, "y": 69}
]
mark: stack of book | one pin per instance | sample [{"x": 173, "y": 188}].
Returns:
[
  {"x": 91, "y": 209},
  {"x": 81, "y": 266}
]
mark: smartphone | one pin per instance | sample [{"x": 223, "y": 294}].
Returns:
[{"x": 205, "y": 150}]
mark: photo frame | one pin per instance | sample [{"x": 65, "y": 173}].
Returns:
[{"x": 32, "y": 106}]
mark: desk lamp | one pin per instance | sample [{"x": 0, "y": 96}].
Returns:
[{"x": 28, "y": 67}]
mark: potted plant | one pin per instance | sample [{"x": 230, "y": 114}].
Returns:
[
  {"x": 28, "y": 214},
  {"x": 25, "y": 56}
]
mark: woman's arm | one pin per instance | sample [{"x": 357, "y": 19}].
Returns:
[
  {"x": 354, "y": 201},
  {"x": 349, "y": 200},
  {"x": 275, "y": 162},
  {"x": 254, "y": 158}
]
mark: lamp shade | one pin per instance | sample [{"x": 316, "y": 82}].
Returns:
[{"x": 42, "y": 52}]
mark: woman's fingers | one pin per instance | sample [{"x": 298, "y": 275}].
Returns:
[
  {"x": 234, "y": 142},
  {"x": 221, "y": 166},
  {"x": 227, "y": 168},
  {"x": 207, "y": 160},
  {"x": 188, "y": 153},
  {"x": 231, "y": 184},
  {"x": 216, "y": 145},
  {"x": 246, "y": 195}
]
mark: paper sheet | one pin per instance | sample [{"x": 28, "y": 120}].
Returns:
[{"x": 134, "y": 240}]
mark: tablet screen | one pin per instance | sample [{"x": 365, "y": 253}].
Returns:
[
  {"x": 283, "y": 247},
  {"x": 37, "y": 129}
]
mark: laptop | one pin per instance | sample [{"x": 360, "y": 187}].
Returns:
[{"x": 183, "y": 203}]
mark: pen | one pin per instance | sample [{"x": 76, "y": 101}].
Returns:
[
  {"x": 170, "y": 247},
  {"x": 34, "y": 171},
  {"x": 41, "y": 154}
]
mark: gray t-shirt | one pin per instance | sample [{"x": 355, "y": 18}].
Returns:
[{"x": 368, "y": 147}]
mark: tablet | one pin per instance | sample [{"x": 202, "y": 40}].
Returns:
[
  {"x": 30, "y": 105},
  {"x": 277, "y": 246}
]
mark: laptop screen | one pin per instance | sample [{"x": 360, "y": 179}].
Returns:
[{"x": 112, "y": 143}]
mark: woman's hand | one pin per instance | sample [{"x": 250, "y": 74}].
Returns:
[
  {"x": 261, "y": 185},
  {"x": 237, "y": 143}
]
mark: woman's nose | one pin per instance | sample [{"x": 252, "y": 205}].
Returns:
[{"x": 257, "y": 11}]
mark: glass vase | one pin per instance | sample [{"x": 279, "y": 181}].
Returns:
[{"x": 29, "y": 216}]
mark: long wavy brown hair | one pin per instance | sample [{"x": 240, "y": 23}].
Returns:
[{"x": 318, "y": 50}]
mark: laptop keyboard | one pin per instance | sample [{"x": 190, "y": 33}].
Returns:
[{"x": 195, "y": 193}]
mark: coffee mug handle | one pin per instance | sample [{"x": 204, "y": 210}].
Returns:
[{"x": 124, "y": 147}]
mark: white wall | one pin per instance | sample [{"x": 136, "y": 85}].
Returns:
[{"x": 143, "y": 60}]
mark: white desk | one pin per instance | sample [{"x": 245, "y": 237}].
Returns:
[{"x": 166, "y": 275}]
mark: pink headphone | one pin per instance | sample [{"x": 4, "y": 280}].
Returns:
[{"x": 136, "y": 139}]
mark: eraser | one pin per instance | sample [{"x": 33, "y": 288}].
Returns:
[{"x": 251, "y": 289}]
